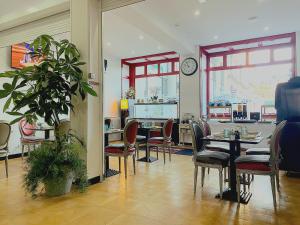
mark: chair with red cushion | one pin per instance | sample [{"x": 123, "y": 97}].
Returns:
[
  {"x": 127, "y": 148},
  {"x": 28, "y": 137},
  {"x": 164, "y": 142},
  {"x": 262, "y": 164}
]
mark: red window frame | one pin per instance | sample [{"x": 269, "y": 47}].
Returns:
[
  {"x": 147, "y": 60},
  {"x": 205, "y": 50}
]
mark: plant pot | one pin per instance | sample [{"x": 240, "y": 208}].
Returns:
[{"x": 59, "y": 186}]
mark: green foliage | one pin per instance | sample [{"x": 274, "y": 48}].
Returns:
[
  {"x": 45, "y": 90},
  {"x": 54, "y": 160}
]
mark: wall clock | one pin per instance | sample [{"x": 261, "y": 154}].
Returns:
[{"x": 189, "y": 66}]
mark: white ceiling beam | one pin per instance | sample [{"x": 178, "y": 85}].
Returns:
[{"x": 31, "y": 17}]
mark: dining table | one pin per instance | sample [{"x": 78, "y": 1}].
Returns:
[
  {"x": 44, "y": 128},
  {"x": 230, "y": 194},
  {"x": 110, "y": 172},
  {"x": 146, "y": 131}
]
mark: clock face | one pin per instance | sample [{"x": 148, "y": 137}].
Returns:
[{"x": 189, "y": 66}]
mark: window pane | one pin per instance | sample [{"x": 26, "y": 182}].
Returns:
[
  {"x": 236, "y": 59},
  {"x": 283, "y": 54},
  {"x": 155, "y": 87},
  {"x": 166, "y": 67},
  {"x": 141, "y": 88},
  {"x": 170, "y": 88},
  {"x": 140, "y": 70},
  {"x": 258, "y": 57},
  {"x": 254, "y": 86},
  {"x": 152, "y": 69},
  {"x": 177, "y": 66},
  {"x": 216, "y": 61}
]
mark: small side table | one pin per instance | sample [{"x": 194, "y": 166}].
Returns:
[{"x": 184, "y": 129}]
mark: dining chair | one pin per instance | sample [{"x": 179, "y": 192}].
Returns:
[
  {"x": 267, "y": 165},
  {"x": 28, "y": 137},
  {"x": 5, "y": 130},
  {"x": 127, "y": 148},
  {"x": 164, "y": 142},
  {"x": 205, "y": 158}
]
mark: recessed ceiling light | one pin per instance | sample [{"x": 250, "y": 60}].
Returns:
[
  {"x": 132, "y": 52},
  {"x": 202, "y": 1},
  {"x": 266, "y": 28},
  {"x": 197, "y": 12},
  {"x": 108, "y": 44},
  {"x": 216, "y": 37},
  {"x": 141, "y": 37}
]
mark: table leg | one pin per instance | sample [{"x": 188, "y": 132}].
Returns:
[
  {"x": 47, "y": 134},
  {"x": 108, "y": 172},
  {"x": 231, "y": 193},
  {"x": 147, "y": 157}
]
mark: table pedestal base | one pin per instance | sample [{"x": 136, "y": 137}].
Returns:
[
  {"x": 110, "y": 173},
  {"x": 149, "y": 160},
  {"x": 229, "y": 195}
]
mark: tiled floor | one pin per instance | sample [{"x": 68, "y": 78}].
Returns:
[{"x": 158, "y": 195}]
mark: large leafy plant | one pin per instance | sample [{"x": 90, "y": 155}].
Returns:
[{"x": 45, "y": 90}]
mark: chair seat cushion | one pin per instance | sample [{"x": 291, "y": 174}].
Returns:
[
  {"x": 258, "y": 151},
  {"x": 140, "y": 138},
  {"x": 117, "y": 149},
  {"x": 156, "y": 140},
  {"x": 218, "y": 147},
  {"x": 213, "y": 157},
  {"x": 253, "y": 162}
]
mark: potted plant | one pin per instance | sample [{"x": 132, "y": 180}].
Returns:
[{"x": 45, "y": 90}]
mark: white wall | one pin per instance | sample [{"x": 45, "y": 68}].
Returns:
[{"x": 5, "y": 62}]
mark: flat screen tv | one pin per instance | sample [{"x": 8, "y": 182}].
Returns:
[{"x": 20, "y": 56}]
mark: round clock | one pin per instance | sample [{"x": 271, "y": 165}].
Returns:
[{"x": 189, "y": 66}]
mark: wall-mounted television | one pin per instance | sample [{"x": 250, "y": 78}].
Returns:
[{"x": 20, "y": 56}]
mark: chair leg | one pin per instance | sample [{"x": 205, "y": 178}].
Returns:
[
  {"x": 120, "y": 164},
  {"x": 249, "y": 181},
  {"x": 221, "y": 182},
  {"x": 202, "y": 176},
  {"x": 208, "y": 170},
  {"x": 125, "y": 166},
  {"x": 195, "y": 178},
  {"x": 137, "y": 150},
  {"x": 164, "y": 152},
  {"x": 133, "y": 160},
  {"x": 277, "y": 180},
  {"x": 238, "y": 186},
  {"x": 169, "y": 153},
  {"x": 157, "y": 153},
  {"x": 273, "y": 189},
  {"x": 244, "y": 182},
  {"x": 6, "y": 166},
  {"x": 22, "y": 151}
]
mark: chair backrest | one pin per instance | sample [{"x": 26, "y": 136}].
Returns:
[
  {"x": 64, "y": 127},
  {"x": 25, "y": 128},
  {"x": 130, "y": 132},
  {"x": 275, "y": 142},
  {"x": 167, "y": 129},
  {"x": 197, "y": 135},
  {"x": 5, "y": 130},
  {"x": 206, "y": 127}
]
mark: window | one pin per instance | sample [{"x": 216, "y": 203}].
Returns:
[
  {"x": 140, "y": 70},
  {"x": 236, "y": 59},
  {"x": 152, "y": 69},
  {"x": 216, "y": 61},
  {"x": 176, "y": 66},
  {"x": 282, "y": 54},
  {"x": 166, "y": 67},
  {"x": 259, "y": 57}
]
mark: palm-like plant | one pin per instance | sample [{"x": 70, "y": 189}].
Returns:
[{"x": 46, "y": 89}]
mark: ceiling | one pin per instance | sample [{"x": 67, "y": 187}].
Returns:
[
  {"x": 13, "y": 9},
  {"x": 155, "y": 26}
]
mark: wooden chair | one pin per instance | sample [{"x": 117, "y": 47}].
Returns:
[
  {"x": 5, "y": 130},
  {"x": 164, "y": 142},
  {"x": 127, "y": 148},
  {"x": 205, "y": 158},
  {"x": 267, "y": 165}
]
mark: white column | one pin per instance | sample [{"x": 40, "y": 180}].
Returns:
[{"x": 87, "y": 120}]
